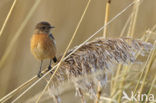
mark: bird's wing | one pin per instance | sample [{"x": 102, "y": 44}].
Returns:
[{"x": 52, "y": 38}]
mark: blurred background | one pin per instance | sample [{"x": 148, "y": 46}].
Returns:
[{"x": 20, "y": 65}]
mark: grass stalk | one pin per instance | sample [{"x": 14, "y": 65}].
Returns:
[
  {"x": 126, "y": 25},
  {"x": 153, "y": 28},
  {"x": 99, "y": 92},
  {"x": 122, "y": 32},
  {"x": 7, "y": 18},
  {"x": 134, "y": 19},
  {"x": 121, "y": 86},
  {"x": 147, "y": 67},
  {"x": 130, "y": 34},
  {"x": 18, "y": 89},
  {"x": 99, "y": 89},
  {"x": 18, "y": 33},
  {"x": 106, "y": 16},
  {"x": 126, "y": 70},
  {"x": 152, "y": 85},
  {"x": 15, "y": 91},
  {"x": 114, "y": 85}
]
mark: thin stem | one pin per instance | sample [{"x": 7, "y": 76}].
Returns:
[
  {"x": 7, "y": 18},
  {"x": 125, "y": 70},
  {"x": 82, "y": 97},
  {"x": 152, "y": 85},
  {"x": 114, "y": 86},
  {"x": 126, "y": 25},
  {"x": 99, "y": 92},
  {"x": 15, "y": 91},
  {"x": 147, "y": 67},
  {"x": 106, "y": 17},
  {"x": 12, "y": 93},
  {"x": 18, "y": 33},
  {"x": 134, "y": 18},
  {"x": 138, "y": 54},
  {"x": 104, "y": 35}
]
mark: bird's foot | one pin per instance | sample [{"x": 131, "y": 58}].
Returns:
[
  {"x": 49, "y": 67},
  {"x": 40, "y": 74}
]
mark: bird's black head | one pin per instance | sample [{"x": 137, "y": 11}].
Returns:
[{"x": 43, "y": 27}]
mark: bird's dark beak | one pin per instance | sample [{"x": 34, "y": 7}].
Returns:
[{"x": 52, "y": 27}]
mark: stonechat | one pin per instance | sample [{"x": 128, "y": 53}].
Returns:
[{"x": 43, "y": 44}]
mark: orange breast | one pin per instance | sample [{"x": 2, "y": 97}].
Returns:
[{"x": 42, "y": 46}]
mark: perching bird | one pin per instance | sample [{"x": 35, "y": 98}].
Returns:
[{"x": 43, "y": 45}]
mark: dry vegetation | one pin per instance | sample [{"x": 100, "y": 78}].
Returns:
[{"x": 96, "y": 71}]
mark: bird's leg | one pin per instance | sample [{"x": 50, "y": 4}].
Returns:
[
  {"x": 49, "y": 67},
  {"x": 55, "y": 60},
  {"x": 40, "y": 70}
]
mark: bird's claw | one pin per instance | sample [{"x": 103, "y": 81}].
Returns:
[
  {"x": 49, "y": 67},
  {"x": 39, "y": 74}
]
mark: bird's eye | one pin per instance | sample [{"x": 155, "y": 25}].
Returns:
[{"x": 43, "y": 27}]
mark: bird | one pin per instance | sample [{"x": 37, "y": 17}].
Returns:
[{"x": 43, "y": 44}]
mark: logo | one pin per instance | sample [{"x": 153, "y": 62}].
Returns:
[{"x": 138, "y": 97}]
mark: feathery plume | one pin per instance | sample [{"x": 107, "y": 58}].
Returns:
[{"x": 88, "y": 65}]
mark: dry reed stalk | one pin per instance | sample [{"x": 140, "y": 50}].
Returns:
[
  {"x": 126, "y": 25},
  {"x": 99, "y": 92},
  {"x": 108, "y": 99},
  {"x": 18, "y": 89},
  {"x": 134, "y": 18},
  {"x": 125, "y": 71},
  {"x": 66, "y": 50},
  {"x": 99, "y": 89},
  {"x": 105, "y": 99},
  {"x": 15, "y": 91},
  {"x": 121, "y": 86},
  {"x": 119, "y": 66},
  {"x": 113, "y": 85},
  {"x": 130, "y": 34},
  {"x": 7, "y": 18},
  {"x": 147, "y": 66},
  {"x": 152, "y": 85},
  {"x": 106, "y": 16},
  {"x": 146, "y": 39},
  {"x": 98, "y": 55},
  {"x": 18, "y": 33},
  {"x": 66, "y": 87}
]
